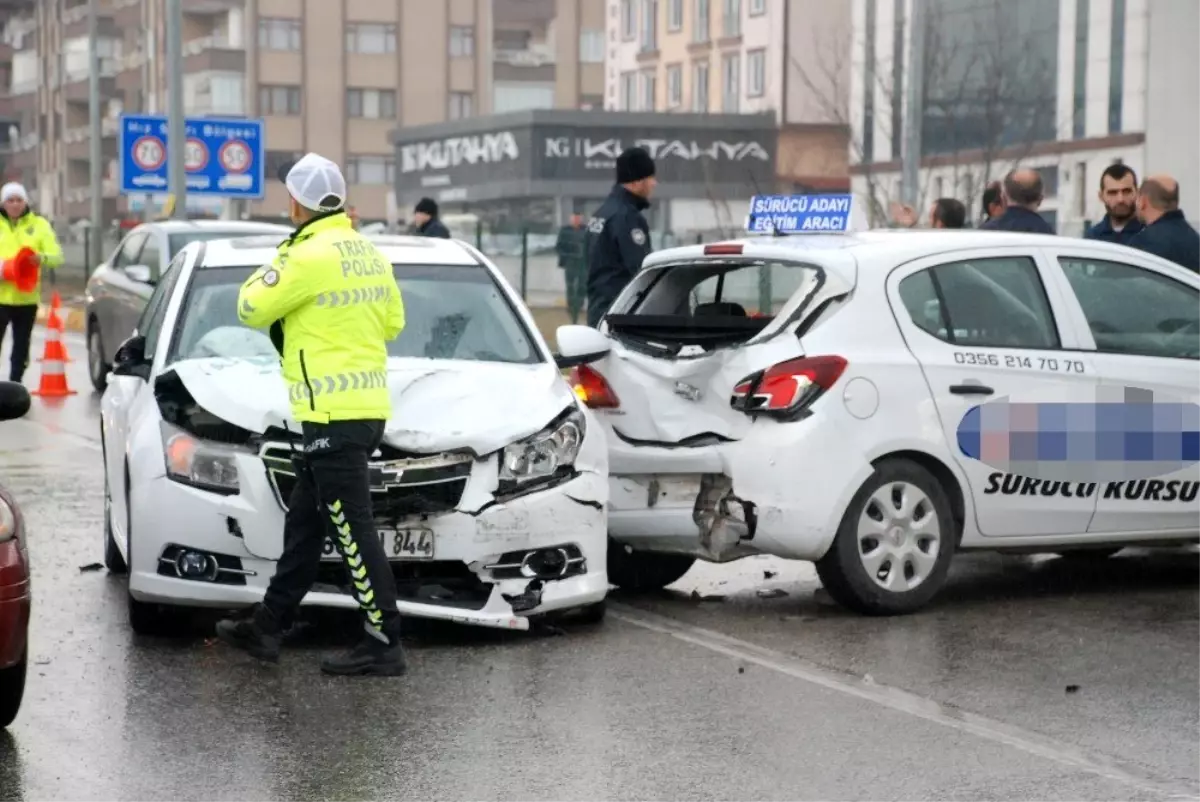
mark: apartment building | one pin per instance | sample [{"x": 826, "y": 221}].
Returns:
[
  {"x": 788, "y": 57},
  {"x": 1093, "y": 82},
  {"x": 326, "y": 76}
]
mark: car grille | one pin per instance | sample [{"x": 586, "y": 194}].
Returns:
[{"x": 400, "y": 488}]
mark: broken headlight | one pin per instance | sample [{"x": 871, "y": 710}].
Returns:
[
  {"x": 205, "y": 464},
  {"x": 545, "y": 454}
]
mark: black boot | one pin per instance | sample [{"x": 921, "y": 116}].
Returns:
[
  {"x": 371, "y": 657},
  {"x": 257, "y": 633}
]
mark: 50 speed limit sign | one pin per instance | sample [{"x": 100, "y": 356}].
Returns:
[
  {"x": 195, "y": 155},
  {"x": 235, "y": 156}
]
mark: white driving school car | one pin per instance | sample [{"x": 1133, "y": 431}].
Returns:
[
  {"x": 489, "y": 489},
  {"x": 802, "y": 395}
]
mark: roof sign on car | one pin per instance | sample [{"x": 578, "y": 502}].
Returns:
[{"x": 800, "y": 214}]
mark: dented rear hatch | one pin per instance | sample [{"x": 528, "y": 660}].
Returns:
[{"x": 689, "y": 331}]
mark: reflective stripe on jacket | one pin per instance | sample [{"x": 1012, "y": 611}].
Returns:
[
  {"x": 335, "y": 299},
  {"x": 31, "y": 231}
]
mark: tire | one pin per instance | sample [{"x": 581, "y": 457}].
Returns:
[
  {"x": 641, "y": 571},
  {"x": 1090, "y": 555},
  {"x": 97, "y": 368},
  {"x": 890, "y": 590},
  {"x": 12, "y": 690}
]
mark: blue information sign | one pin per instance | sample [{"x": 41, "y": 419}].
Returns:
[
  {"x": 222, "y": 157},
  {"x": 799, "y": 214}
]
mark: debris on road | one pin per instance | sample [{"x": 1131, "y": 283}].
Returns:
[
  {"x": 83, "y": 569},
  {"x": 712, "y": 597},
  {"x": 770, "y": 574},
  {"x": 771, "y": 593},
  {"x": 1072, "y": 689}
]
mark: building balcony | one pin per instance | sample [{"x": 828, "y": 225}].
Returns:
[
  {"x": 78, "y": 141},
  {"x": 75, "y": 23},
  {"x": 213, "y": 54},
  {"x": 533, "y": 64},
  {"x": 207, "y": 8},
  {"x": 75, "y": 85}
]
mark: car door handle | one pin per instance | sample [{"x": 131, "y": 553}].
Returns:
[{"x": 971, "y": 389}]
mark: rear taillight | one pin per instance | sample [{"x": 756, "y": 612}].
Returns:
[
  {"x": 592, "y": 388},
  {"x": 786, "y": 389}
]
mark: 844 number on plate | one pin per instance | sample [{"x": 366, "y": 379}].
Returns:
[{"x": 398, "y": 544}]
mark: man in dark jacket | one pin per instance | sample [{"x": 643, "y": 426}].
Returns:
[
  {"x": 993, "y": 201},
  {"x": 1167, "y": 233},
  {"x": 572, "y": 260},
  {"x": 1118, "y": 193},
  {"x": 618, "y": 234},
  {"x": 425, "y": 218},
  {"x": 1023, "y": 189}
]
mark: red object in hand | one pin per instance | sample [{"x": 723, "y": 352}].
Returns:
[{"x": 22, "y": 270}]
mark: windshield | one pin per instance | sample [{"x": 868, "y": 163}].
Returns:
[
  {"x": 177, "y": 242},
  {"x": 451, "y": 312},
  {"x": 739, "y": 289}
]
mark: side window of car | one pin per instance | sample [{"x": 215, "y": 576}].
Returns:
[
  {"x": 1131, "y": 310},
  {"x": 151, "y": 256},
  {"x": 163, "y": 293},
  {"x": 989, "y": 303},
  {"x": 127, "y": 254}
]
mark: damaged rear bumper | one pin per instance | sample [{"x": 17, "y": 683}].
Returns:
[{"x": 781, "y": 491}]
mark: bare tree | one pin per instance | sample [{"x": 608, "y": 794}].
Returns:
[{"x": 987, "y": 95}]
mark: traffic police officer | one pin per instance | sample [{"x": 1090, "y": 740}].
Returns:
[
  {"x": 21, "y": 227},
  {"x": 332, "y": 304},
  {"x": 618, "y": 234}
]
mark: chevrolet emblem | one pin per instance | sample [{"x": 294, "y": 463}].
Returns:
[{"x": 685, "y": 390}]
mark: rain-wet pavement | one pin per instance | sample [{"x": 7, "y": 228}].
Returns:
[{"x": 1031, "y": 678}]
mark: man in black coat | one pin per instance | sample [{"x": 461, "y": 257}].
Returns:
[
  {"x": 1167, "y": 233},
  {"x": 1023, "y": 190},
  {"x": 425, "y": 217},
  {"x": 1118, "y": 193},
  {"x": 618, "y": 234}
]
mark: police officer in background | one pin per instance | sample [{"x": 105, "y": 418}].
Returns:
[
  {"x": 618, "y": 234},
  {"x": 335, "y": 367}
]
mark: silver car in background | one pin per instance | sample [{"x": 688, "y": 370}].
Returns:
[{"x": 119, "y": 288}]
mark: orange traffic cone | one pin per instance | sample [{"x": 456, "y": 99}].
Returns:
[
  {"x": 54, "y": 358},
  {"x": 55, "y": 347}
]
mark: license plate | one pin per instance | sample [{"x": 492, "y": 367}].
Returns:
[{"x": 398, "y": 544}]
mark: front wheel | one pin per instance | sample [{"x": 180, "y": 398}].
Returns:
[
  {"x": 893, "y": 548},
  {"x": 98, "y": 369},
  {"x": 641, "y": 571},
  {"x": 12, "y": 691},
  {"x": 154, "y": 620}
]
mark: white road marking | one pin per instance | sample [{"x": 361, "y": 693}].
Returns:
[{"x": 906, "y": 702}]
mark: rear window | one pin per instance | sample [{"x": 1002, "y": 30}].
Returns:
[
  {"x": 725, "y": 289},
  {"x": 177, "y": 242}
]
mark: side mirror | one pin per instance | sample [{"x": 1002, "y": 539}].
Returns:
[
  {"x": 579, "y": 345},
  {"x": 14, "y": 400},
  {"x": 140, "y": 273},
  {"x": 131, "y": 359}
]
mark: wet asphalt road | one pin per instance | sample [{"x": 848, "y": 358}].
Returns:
[{"x": 1031, "y": 679}]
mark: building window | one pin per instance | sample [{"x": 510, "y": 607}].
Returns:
[
  {"x": 731, "y": 19},
  {"x": 591, "y": 47},
  {"x": 757, "y": 8},
  {"x": 649, "y": 90},
  {"x": 278, "y": 33},
  {"x": 374, "y": 170},
  {"x": 628, "y": 91},
  {"x": 700, "y": 87},
  {"x": 868, "y": 120},
  {"x": 1049, "y": 177},
  {"x": 756, "y": 68},
  {"x": 371, "y": 104},
  {"x": 700, "y": 30},
  {"x": 462, "y": 41},
  {"x": 1079, "y": 114},
  {"x": 370, "y": 37},
  {"x": 628, "y": 20},
  {"x": 731, "y": 78},
  {"x": 279, "y": 100},
  {"x": 462, "y": 105},
  {"x": 649, "y": 25},
  {"x": 674, "y": 15},
  {"x": 674, "y": 86},
  {"x": 1116, "y": 67}
]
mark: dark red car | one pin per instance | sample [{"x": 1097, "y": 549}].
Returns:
[{"x": 14, "y": 579}]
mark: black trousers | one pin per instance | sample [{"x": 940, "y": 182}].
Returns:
[
  {"x": 22, "y": 319},
  {"x": 332, "y": 497}
]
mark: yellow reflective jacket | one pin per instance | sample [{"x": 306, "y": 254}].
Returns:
[
  {"x": 35, "y": 232},
  {"x": 335, "y": 299}
]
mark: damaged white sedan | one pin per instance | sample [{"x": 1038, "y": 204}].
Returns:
[{"x": 489, "y": 489}]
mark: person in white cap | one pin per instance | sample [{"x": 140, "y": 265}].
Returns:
[
  {"x": 21, "y": 227},
  {"x": 331, "y": 304}
]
